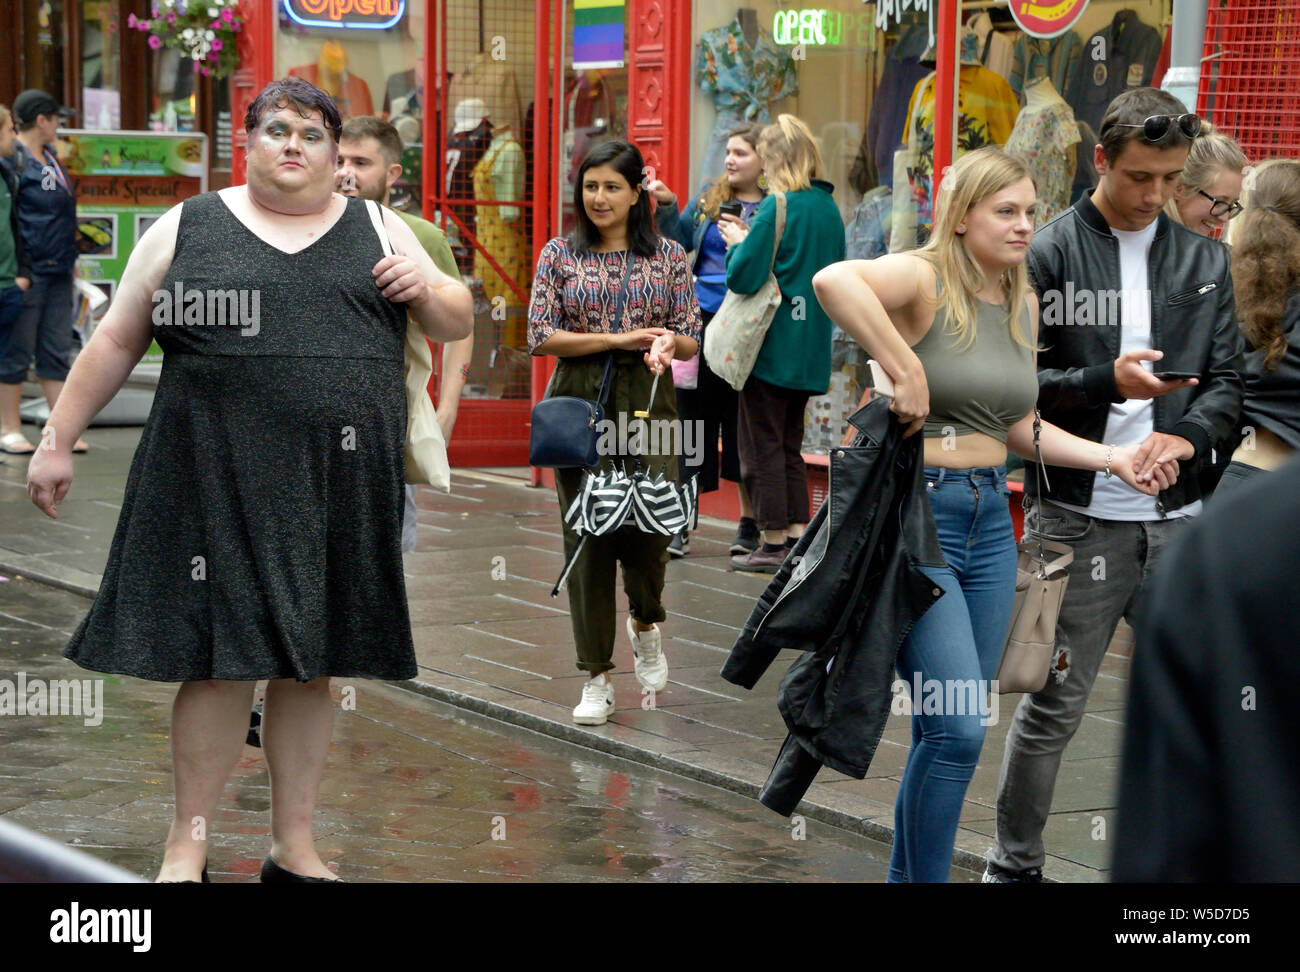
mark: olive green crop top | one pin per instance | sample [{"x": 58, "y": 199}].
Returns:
[{"x": 986, "y": 388}]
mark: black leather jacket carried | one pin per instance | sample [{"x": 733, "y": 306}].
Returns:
[
  {"x": 1074, "y": 260},
  {"x": 846, "y": 597}
]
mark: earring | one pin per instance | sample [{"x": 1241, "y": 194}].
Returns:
[{"x": 762, "y": 181}]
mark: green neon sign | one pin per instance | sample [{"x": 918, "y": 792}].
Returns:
[{"x": 814, "y": 28}]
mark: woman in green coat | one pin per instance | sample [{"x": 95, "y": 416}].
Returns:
[{"x": 795, "y": 359}]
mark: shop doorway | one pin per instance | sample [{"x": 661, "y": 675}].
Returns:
[{"x": 481, "y": 187}]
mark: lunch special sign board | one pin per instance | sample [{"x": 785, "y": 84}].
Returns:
[
  {"x": 124, "y": 181},
  {"x": 1046, "y": 19}
]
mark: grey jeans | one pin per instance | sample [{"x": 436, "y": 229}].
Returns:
[{"x": 1113, "y": 560}]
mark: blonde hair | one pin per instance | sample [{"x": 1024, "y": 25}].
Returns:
[
  {"x": 1211, "y": 153},
  {"x": 720, "y": 191},
  {"x": 972, "y": 179},
  {"x": 1265, "y": 260},
  {"x": 790, "y": 155}
]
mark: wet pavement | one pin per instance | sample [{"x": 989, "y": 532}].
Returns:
[
  {"x": 415, "y": 790},
  {"x": 491, "y": 641}
]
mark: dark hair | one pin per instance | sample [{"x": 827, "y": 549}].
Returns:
[
  {"x": 1133, "y": 107},
  {"x": 369, "y": 126},
  {"x": 625, "y": 159},
  {"x": 303, "y": 96}
]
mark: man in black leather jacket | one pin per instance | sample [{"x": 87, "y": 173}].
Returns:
[{"x": 1122, "y": 289}]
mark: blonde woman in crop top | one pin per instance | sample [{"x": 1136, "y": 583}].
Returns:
[{"x": 954, "y": 324}]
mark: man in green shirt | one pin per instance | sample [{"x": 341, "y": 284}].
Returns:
[{"x": 370, "y": 153}]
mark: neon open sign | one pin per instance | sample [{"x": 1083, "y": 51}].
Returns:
[
  {"x": 361, "y": 14},
  {"x": 810, "y": 27}
]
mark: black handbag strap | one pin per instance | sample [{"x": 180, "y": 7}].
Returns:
[{"x": 616, "y": 325}]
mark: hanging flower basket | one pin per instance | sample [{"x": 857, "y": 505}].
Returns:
[{"x": 203, "y": 31}]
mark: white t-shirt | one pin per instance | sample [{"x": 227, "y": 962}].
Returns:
[{"x": 1132, "y": 420}]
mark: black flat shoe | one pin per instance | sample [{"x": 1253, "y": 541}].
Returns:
[{"x": 273, "y": 873}]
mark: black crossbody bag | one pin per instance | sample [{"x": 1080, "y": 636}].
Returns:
[{"x": 566, "y": 429}]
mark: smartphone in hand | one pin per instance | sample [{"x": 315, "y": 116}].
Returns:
[
  {"x": 732, "y": 208},
  {"x": 1176, "y": 375}
]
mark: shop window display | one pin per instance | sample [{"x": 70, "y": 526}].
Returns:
[
  {"x": 867, "y": 94},
  {"x": 474, "y": 183}
]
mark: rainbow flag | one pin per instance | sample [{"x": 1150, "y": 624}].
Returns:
[{"x": 597, "y": 34}]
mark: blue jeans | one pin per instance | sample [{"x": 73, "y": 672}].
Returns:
[{"x": 957, "y": 642}]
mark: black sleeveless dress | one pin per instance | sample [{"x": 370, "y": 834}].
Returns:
[{"x": 260, "y": 532}]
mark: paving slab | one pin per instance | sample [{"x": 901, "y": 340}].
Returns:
[{"x": 490, "y": 640}]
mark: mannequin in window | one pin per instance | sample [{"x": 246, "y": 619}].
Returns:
[
  {"x": 330, "y": 73},
  {"x": 471, "y": 134},
  {"x": 408, "y": 85},
  {"x": 499, "y": 175},
  {"x": 747, "y": 17},
  {"x": 1044, "y": 139}
]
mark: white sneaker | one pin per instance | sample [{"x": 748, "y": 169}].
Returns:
[
  {"x": 597, "y": 702},
  {"x": 648, "y": 657}
]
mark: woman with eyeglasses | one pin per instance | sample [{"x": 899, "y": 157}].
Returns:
[
  {"x": 1206, "y": 196},
  {"x": 1266, "y": 280}
]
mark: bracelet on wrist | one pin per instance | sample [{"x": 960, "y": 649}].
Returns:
[{"x": 1110, "y": 454}]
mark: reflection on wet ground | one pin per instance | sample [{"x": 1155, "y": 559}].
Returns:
[{"x": 414, "y": 791}]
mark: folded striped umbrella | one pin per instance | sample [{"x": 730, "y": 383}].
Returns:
[
  {"x": 611, "y": 499},
  {"x": 608, "y": 500}
]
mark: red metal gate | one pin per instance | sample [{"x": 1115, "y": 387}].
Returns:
[{"x": 1249, "y": 71}]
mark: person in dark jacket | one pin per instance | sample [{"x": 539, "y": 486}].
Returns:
[
  {"x": 1266, "y": 279},
  {"x": 15, "y": 275},
  {"x": 713, "y": 402},
  {"x": 794, "y": 361},
  {"x": 953, "y": 325},
  {"x": 1210, "y": 779},
  {"x": 1122, "y": 288},
  {"x": 47, "y": 219}
]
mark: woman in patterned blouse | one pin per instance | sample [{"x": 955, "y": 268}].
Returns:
[{"x": 571, "y": 313}]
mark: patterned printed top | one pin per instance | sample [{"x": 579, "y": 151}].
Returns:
[
  {"x": 741, "y": 78},
  {"x": 1043, "y": 139},
  {"x": 578, "y": 293}
]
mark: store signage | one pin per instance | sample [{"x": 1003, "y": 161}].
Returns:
[
  {"x": 893, "y": 10},
  {"x": 1046, "y": 19},
  {"x": 125, "y": 181},
  {"x": 598, "y": 37},
  {"x": 359, "y": 14},
  {"x": 813, "y": 28}
]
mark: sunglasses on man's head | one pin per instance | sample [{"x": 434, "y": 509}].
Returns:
[
  {"x": 1219, "y": 207},
  {"x": 1157, "y": 127}
]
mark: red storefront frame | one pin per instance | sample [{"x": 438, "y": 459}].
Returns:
[{"x": 660, "y": 51}]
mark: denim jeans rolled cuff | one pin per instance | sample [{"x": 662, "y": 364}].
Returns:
[
  {"x": 11, "y": 301},
  {"x": 43, "y": 330},
  {"x": 956, "y": 644}
]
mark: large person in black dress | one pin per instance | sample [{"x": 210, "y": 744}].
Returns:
[{"x": 261, "y": 525}]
